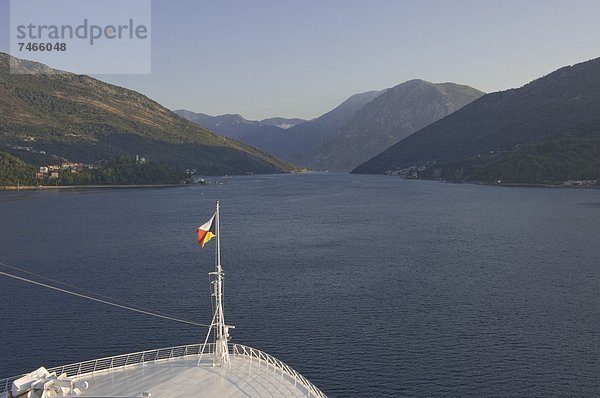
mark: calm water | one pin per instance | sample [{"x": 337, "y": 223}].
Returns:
[{"x": 368, "y": 285}]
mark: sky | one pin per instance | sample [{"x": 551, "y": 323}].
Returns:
[{"x": 301, "y": 58}]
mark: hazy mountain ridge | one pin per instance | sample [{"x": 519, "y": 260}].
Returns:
[
  {"x": 229, "y": 123},
  {"x": 393, "y": 115},
  {"x": 287, "y": 143},
  {"x": 266, "y": 134},
  {"x": 560, "y": 107},
  {"x": 83, "y": 119}
]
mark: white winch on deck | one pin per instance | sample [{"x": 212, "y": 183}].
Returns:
[{"x": 43, "y": 384}]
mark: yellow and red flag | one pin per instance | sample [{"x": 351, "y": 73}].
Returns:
[{"x": 207, "y": 231}]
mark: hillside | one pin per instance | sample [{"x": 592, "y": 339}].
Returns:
[
  {"x": 268, "y": 135},
  {"x": 553, "y": 162},
  {"x": 304, "y": 138},
  {"x": 46, "y": 117},
  {"x": 390, "y": 117},
  {"x": 13, "y": 171},
  {"x": 560, "y": 111}
]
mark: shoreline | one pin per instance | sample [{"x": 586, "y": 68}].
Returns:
[
  {"x": 510, "y": 185},
  {"x": 128, "y": 186},
  {"x": 533, "y": 185}
]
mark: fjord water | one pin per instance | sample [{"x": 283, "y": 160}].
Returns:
[{"x": 370, "y": 286}]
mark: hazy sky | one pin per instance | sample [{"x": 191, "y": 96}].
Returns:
[{"x": 301, "y": 58}]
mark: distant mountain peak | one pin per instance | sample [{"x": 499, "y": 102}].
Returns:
[{"x": 392, "y": 115}]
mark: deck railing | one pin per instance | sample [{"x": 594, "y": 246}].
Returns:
[
  {"x": 119, "y": 361},
  {"x": 278, "y": 366},
  {"x": 126, "y": 360}
]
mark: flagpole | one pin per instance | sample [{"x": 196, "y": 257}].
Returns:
[
  {"x": 222, "y": 331},
  {"x": 218, "y": 231}
]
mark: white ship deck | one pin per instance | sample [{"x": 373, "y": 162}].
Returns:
[
  {"x": 177, "y": 372},
  {"x": 183, "y": 377}
]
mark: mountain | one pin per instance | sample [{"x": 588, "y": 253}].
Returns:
[
  {"x": 301, "y": 140},
  {"x": 266, "y": 134},
  {"x": 512, "y": 135},
  {"x": 357, "y": 129},
  {"x": 274, "y": 136},
  {"x": 61, "y": 115},
  {"x": 234, "y": 125},
  {"x": 392, "y": 116}
]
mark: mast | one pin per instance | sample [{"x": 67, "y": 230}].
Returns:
[
  {"x": 221, "y": 356},
  {"x": 218, "y": 230}
]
